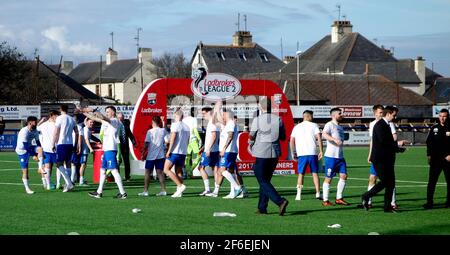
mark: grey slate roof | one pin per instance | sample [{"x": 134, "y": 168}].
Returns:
[
  {"x": 344, "y": 89},
  {"x": 118, "y": 71},
  {"x": 68, "y": 81},
  {"x": 84, "y": 71},
  {"x": 430, "y": 75},
  {"x": 440, "y": 91},
  {"x": 350, "y": 56},
  {"x": 234, "y": 64}
]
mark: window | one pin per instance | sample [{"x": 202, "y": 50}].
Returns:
[
  {"x": 97, "y": 90},
  {"x": 242, "y": 56},
  {"x": 221, "y": 55},
  {"x": 263, "y": 57},
  {"x": 110, "y": 92}
]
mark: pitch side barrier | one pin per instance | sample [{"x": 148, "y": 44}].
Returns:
[{"x": 161, "y": 97}]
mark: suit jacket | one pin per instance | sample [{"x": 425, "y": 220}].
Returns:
[
  {"x": 128, "y": 134},
  {"x": 383, "y": 145}
]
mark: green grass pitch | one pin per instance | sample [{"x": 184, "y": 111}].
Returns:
[{"x": 54, "y": 212}]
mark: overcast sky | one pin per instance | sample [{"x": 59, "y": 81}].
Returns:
[{"x": 80, "y": 29}]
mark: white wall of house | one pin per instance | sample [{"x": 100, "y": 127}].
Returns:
[
  {"x": 414, "y": 87},
  {"x": 199, "y": 61}
]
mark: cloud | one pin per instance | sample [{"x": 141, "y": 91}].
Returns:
[
  {"x": 5, "y": 33},
  {"x": 58, "y": 35},
  {"x": 320, "y": 9}
]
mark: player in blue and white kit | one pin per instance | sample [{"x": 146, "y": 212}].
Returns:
[
  {"x": 86, "y": 148},
  {"x": 76, "y": 154},
  {"x": 210, "y": 155},
  {"x": 63, "y": 144},
  {"x": 176, "y": 153},
  {"x": 304, "y": 149},
  {"x": 27, "y": 142},
  {"x": 110, "y": 126},
  {"x": 47, "y": 127},
  {"x": 334, "y": 158},
  {"x": 228, "y": 153},
  {"x": 153, "y": 153}
]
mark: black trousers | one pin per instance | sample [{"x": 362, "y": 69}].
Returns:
[
  {"x": 436, "y": 167},
  {"x": 263, "y": 169},
  {"x": 385, "y": 173},
  {"x": 125, "y": 152}
]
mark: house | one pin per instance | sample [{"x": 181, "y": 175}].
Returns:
[
  {"x": 346, "y": 52},
  {"x": 120, "y": 80},
  {"x": 242, "y": 57},
  {"x": 439, "y": 92}
]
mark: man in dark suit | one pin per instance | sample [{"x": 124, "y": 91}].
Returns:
[
  {"x": 384, "y": 148},
  {"x": 124, "y": 137}
]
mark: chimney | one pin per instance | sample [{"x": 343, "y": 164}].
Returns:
[
  {"x": 242, "y": 38},
  {"x": 66, "y": 67},
  {"x": 288, "y": 59},
  {"x": 111, "y": 56},
  {"x": 145, "y": 55},
  {"x": 419, "y": 68},
  {"x": 339, "y": 29}
]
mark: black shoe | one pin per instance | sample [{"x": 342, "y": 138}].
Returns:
[
  {"x": 121, "y": 196},
  {"x": 365, "y": 204},
  {"x": 283, "y": 207},
  {"x": 428, "y": 206},
  {"x": 447, "y": 205},
  {"x": 390, "y": 210},
  {"x": 260, "y": 212},
  {"x": 95, "y": 194}
]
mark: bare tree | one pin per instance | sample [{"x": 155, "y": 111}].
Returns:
[{"x": 172, "y": 66}]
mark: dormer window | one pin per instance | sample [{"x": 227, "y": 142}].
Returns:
[
  {"x": 221, "y": 55},
  {"x": 242, "y": 56},
  {"x": 263, "y": 57}
]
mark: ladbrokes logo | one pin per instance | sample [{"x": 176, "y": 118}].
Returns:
[{"x": 214, "y": 86}]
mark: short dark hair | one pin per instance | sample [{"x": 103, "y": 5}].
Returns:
[
  {"x": 377, "y": 106},
  {"x": 395, "y": 108},
  {"x": 389, "y": 109},
  {"x": 53, "y": 113},
  {"x": 206, "y": 109},
  {"x": 308, "y": 112},
  {"x": 157, "y": 120},
  {"x": 444, "y": 110},
  {"x": 112, "y": 108},
  {"x": 31, "y": 118},
  {"x": 64, "y": 107},
  {"x": 335, "y": 109}
]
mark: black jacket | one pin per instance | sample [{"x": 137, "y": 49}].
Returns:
[
  {"x": 438, "y": 141},
  {"x": 128, "y": 134},
  {"x": 383, "y": 145}
]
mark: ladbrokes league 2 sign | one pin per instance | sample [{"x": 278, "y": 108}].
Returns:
[{"x": 214, "y": 86}]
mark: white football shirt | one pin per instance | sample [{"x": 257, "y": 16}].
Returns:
[
  {"x": 305, "y": 138},
  {"x": 28, "y": 137},
  {"x": 182, "y": 139},
  {"x": 111, "y": 135},
  {"x": 229, "y": 127},
  {"x": 155, "y": 138},
  {"x": 47, "y": 130},
  {"x": 210, "y": 128},
  {"x": 336, "y": 131},
  {"x": 372, "y": 124},
  {"x": 66, "y": 125}
]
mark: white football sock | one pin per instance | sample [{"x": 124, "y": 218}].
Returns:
[
  {"x": 206, "y": 183},
  {"x": 40, "y": 163},
  {"x": 81, "y": 180},
  {"x": 369, "y": 188},
  {"x": 340, "y": 188},
  {"x": 58, "y": 177},
  {"x": 326, "y": 191},
  {"x": 44, "y": 182},
  {"x": 72, "y": 173},
  {"x": 299, "y": 190},
  {"x": 102, "y": 181},
  {"x": 25, "y": 183},
  {"x": 62, "y": 170},
  {"x": 317, "y": 194},
  {"x": 47, "y": 175},
  {"x": 229, "y": 177},
  {"x": 118, "y": 180},
  {"x": 393, "y": 197},
  {"x": 216, "y": 188}
]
